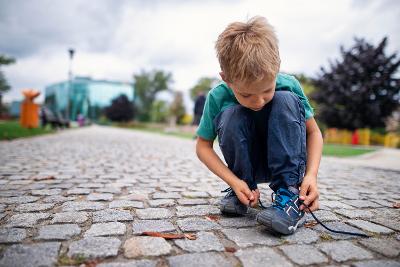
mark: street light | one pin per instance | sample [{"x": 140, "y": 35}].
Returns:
[{"x": 71, "y": 56}]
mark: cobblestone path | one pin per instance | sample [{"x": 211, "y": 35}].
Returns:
[{"x": 90, "y": 193}]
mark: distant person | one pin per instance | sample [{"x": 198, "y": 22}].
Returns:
[
  {"x": 265, "y": 128},
  {"x": 81, "y": 120},
  {"x": 198, "y": 108}
]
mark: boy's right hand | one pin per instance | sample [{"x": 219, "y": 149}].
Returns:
[{"x": 243, "y": 192}]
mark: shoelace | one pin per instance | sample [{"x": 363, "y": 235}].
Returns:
[{"x": 318, "y": 221}]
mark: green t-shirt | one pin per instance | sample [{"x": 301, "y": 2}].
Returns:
[{"x": 221, "y": 97}]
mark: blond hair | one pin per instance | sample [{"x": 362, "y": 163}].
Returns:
[{"x": 247, "y": 52}]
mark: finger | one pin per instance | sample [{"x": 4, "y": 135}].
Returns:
[
  {"x": 248, "y": 194},
  {"x": 243, "y": 198},
  {"x": 311, "y": 197},
  {"x": 303, "y": 191}
]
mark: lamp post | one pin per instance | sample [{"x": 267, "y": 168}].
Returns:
[{"x": 71, "y": 56}]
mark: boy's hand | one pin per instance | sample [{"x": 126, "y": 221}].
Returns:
[
  {"x": 309, "y": 193},
  {"x": 256, "y": 194},
  {"x": 243, "y": 192}
]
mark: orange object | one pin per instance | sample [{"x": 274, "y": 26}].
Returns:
[{"x": 29, "y": 111}]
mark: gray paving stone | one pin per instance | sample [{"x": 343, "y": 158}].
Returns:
[
  {"x": 154, "y": 213},
  {"x": 30, "y": 207},
  {"x": 358, "y": 203},
  {"x": 139, "y": 246},
  {"x": 206, "y": 259},
  {"x": 170, "y": 195},
  {"x": 376, "y": 263},
  {"x": 70, "y": 217},
  {"x": 322, "y": 215},
  {"x": 94, "y": 247},
  {"x": 35, "y": 255},
  {"x": 341, "y": 251},
  {"x": 45, "y": 192},
  {"x": 82, "y": 205},
  {"x": 100, "y": 196},
  {"x": 126, "y": 204},
  {"x": 205, "y": 242},
  {"x": 131, "y": 263},
  {"x": 198, "y": 210},
  {"x": 370, "y": 227},
  {"x": 12, "y": 235},
  {"x": 303, "y": 236},
  {"x": 18, "y": 200},
  {"x": 165, "y": 202},
  {"x": 197, "y": 224},
  {"x": 79, "y": 191},
  {"x": 111, "y": 215},
  {"x": 58, "y": 199},
  {"x": 106, "y": 229},
  {"x": 140, "y": 226},
  {"x": 251, "y": 236},
  {"x": 340, "y": 226},
  {"x": 386, "y": 246},
  {"x": 2, "y": 215},
  {"x": 262, "y": 256},
  {"x": 111, "y": 190},
  {"x": 238, "y": 222},
  {"x": 27, "y": 219},
  {"x": 333, "y": 204},
  {"x": 389, "y": 222},
  {"x": 304, "y": 254},
  {"x": 195, "y": 194},
  {"x": 355, "y": 214},
  {"x": 192, "y": 201},
  {"x": 58, "y": 231}
]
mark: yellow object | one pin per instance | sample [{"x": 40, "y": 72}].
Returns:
[
  {"x": 29, "y": 110},
  {"x": 364, "y": 136},
  {"x": 391, "y": 140}
]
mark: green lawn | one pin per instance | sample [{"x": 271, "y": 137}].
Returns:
[
  {"x": 12, "y": 129},
  {"x": 345, "y": 150},
  {"x": 328, "y": 150}
]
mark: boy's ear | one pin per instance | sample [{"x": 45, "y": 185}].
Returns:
[{"x": 222, "y": 74}]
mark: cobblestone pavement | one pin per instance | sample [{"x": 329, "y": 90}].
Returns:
[{"x": 111, "y": 185}]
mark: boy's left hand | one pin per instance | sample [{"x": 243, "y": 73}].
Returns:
[{"x": 309, "y": 193}]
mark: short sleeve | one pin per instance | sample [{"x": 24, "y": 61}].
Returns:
[
  {"x": 309, "y": 111},
  {"x": 206, "y": 127}
]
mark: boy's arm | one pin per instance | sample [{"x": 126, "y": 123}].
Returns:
[
  {"x": 309, "y": 190},
  {"x": 207, "y": 155}
]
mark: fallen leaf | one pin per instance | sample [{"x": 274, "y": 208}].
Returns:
[
  {"x": 212, "y": 217},
  {"x": 170, "y": 235},
  {"x": 92, "y": 263},
  {"x": 230, "y": 249},
  {"x": 310, "y": 224},
  {"x": 396, "y": 205},
  {"x": 41, "y": 178}
]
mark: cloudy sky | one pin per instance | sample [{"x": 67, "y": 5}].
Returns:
[{"x": 114, "y": 39}]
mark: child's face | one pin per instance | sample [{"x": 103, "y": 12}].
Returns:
[{"x": 254, "y": 95}]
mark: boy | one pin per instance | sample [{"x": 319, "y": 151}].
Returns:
[{"x": 262, "y": 119}]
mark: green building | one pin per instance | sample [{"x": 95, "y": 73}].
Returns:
[{"x": 86, "y": 96}]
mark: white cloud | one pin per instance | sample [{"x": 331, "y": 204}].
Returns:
[{"x": 178, "y": 36}]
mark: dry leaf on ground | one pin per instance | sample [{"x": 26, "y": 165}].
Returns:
[
  {"x": 396, "y": 205},
  {"x": 170, "y": 235},
  {"x": 310, "y": 224},
  {"x": 230, "y": 249},
  {"x": 41, "y": 178},
  {"x": 212, "y": 217}
]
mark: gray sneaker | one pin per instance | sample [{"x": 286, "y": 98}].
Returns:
[{"x": 231, "y": 205}]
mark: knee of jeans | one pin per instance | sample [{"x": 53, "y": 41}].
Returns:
[
  {"x": 234, "y": 120},
  {"x": 282, "y": 97}
]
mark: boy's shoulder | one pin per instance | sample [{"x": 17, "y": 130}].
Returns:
[{"x": 284, "y": 80}]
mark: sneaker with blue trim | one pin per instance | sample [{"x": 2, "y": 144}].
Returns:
[
  {"x": 284, "y": 216},
  {"x": 231, "y": 205}
]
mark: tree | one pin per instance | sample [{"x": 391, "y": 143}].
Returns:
[
  {"x": 121, "y": 109},
  {"x": 203, "y": 85},
  {"x": 147, "y": 85},
  {"x": 159, "y": 111},
  {"x": 4, "y": 87},
  {"x": 177, "y": 108},
  {"x": 361, "y": 89}
]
